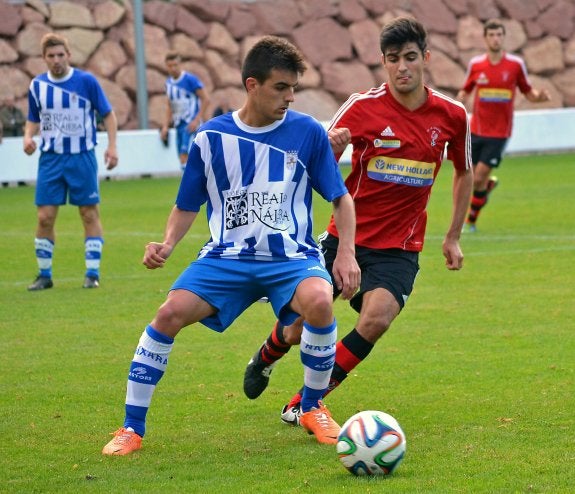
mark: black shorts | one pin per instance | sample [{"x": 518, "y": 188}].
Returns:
[
  {"x": 392, "y": 269},
  {"x": 488, "y": 150}
]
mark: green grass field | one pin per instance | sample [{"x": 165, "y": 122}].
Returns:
[{"x": 479, "y": 369}]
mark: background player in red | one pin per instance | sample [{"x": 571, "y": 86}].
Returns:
[
  {"x": 494, "y": 75},
  {"x": 399, "y": 132}
]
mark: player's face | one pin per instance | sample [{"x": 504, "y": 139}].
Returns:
[
  {"x": 58, "y": 60},
  {"x": 174, "y": 68},
  {"x": 404, "y": 66},
  {"x": 272, "y": 98},
  {"x": 494, "y": 39}
]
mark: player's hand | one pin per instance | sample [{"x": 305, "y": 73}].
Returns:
[
  {"x": 193, "y": 125},
  {"x": 156, "y": 255},
  {"x": 346, "y": 274},
  {"x": 29, "y": 145},
  {"x": 453, "y": 255},
  {"x": 339, "y": 138},
  {"x": 111, "y": 158}
]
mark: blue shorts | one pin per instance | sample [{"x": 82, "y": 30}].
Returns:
[
  {"x": 63, "y": 176},
  {"x": 232, "y": 285},
  {"x": 184, "y": 138}
]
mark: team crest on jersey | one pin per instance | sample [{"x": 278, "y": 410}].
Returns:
[
  {"x": 236, "y": 207},
  {"x": 482, "y": 79},
  {"x": 291, "y": 160},
  {"x": 433, "y": 135}
]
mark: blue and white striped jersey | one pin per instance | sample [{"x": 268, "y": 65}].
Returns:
[
  {"x": 181, "y": 93},
  {"x": 65, "y": 108},
  {"x": 258, "y": 183}
]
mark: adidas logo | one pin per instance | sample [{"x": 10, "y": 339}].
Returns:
[{"x": 388, "y": 132}]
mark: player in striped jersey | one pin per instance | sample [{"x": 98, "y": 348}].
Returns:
[
  {"x": 256, "y": 170},
  {"x": 494, "y": 76},
  {"x": 61, "y": 105},
  {"x": 187, "y": 107},
  {"x": 399, "y": 132}
]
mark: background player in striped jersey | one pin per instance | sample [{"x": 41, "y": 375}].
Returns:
[
  {"x": 495, "y": 75},
  {"x": 187, "y": 106},
  {"x": 398, "y": 132},
  {"x": 61, "y": 105},
  {"x": 256, "y": 169}
]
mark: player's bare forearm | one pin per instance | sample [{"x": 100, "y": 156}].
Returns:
[
  {"x": 346, "y": 272},
  {"x": 179, "y": 222}
]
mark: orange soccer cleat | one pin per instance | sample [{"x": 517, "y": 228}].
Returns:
[
  {"x": 318, "y": 421},
  {"x": 125, "y": 441}
]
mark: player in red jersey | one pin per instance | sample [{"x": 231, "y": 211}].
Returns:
[
  {"x": 399, "y": 132},
  {"x": 495, "y": 75}
]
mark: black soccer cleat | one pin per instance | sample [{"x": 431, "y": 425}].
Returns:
[
  {"x": 91, "y": 282},
  {"x": 257, "y": 376},
  {"x": 41, "y": 283}
]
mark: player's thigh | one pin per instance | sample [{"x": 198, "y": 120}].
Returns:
[
  {"x": 81, "y": 175},
  {"x": 379, "y": 309},
  {"x": 51, "y": 188},
  {"x": 313, "y": 299}
]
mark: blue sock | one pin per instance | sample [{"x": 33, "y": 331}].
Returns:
[
  {"x": 148, "y": 367},
  {"x": 44, "y": 251},
  {"x": 93, "y": 254},
  {"x": 317, "y": 352}
]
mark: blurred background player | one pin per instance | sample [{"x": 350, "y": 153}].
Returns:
[
  {"x": 62, "y": 105},
  {"x": 494, "y": 75},
  {"x": 398, "y": 132},
  {"x": 187, "y": 106},
  {"x": 256, "y": 169}
]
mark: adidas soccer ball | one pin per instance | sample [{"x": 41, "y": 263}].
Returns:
[{"x": 371, "y": 443}]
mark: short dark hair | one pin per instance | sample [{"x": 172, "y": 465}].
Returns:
[
  {"x": 269, "y": 53},
  {"x": 50, "y": 40},
  {"x": 402, "y": 30},
  {"x": 172, "y": 55},
  {"x": 493, "y": 24}
]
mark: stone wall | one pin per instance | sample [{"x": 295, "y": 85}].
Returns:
[{"x": 339, "y": 39}]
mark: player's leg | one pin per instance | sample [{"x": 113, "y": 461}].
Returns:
[
  {"x": 229, "y": 293},
  {"x": 149, "y": 363},
  {"x": 93, "y": 244},
  {"x": 50, "y": 193},
  {"x": 313, "y": 300},
  {"x": 487, "y": 154},
  {"x": 81, "y": 175},
  {"x": 387, "y": 280},
  {"x": 183, "y": 142},
  {"x": 282, "y": 338},
  {"x": 44, "y": 247}
]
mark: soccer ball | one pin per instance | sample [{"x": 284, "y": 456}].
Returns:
[{"x": 371, "y": 443}]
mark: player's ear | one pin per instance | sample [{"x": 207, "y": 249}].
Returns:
[{"x": 251, "y": 83}]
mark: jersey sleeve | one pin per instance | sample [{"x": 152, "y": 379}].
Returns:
[
  {"x": 33, "y": 107},
  {"x": 99, "y": 100},
  {"x": 323, "y": 169},
  {"x": 523, "y": 82},
  {"x": 192, "y": 193},
  {"x": 459, "y": 147}
]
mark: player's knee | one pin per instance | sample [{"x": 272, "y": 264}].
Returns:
[{"x": 168, "y": 318}]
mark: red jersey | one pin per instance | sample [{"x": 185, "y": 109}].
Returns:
[
  {"x": 495, "y": 92},
  {"x": 396, "y": 156}
]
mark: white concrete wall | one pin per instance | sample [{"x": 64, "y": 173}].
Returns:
[{"x": 142, "y": 153}]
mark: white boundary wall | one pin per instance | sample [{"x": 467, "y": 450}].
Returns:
[{"x": 142, "y": 153}]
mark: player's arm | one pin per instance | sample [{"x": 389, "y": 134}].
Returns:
[
  {"x": 111, "y": 153},
  {"x": 339, "y": 138},
  {"x": 30, "y": 130},
  {"x": 204, "y": 98},
  {"x": 346, "y": 272},
  {"x": 462, "y": 95},
  {"x": 179, "y": 222},
  {"x": 538, "y": 95},
  {"x": 462, "y": 188},
  {"x": 167, "y": 122}
]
